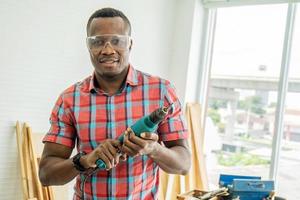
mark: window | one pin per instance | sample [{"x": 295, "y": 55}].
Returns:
[{"x": 242, "y": 95}]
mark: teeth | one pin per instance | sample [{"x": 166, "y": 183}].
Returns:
[
  {"x": 109, "y": 61},
  {"x": 104, "y": 60}
]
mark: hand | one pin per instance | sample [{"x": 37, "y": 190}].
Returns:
[
  {"x": 144, "y": 145},
  {"x": 107, "y": 151}
]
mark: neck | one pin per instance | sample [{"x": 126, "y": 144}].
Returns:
[{"x": 111, "y": 85}]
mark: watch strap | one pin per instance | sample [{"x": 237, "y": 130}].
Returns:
[{"x": 76, "y": 162}]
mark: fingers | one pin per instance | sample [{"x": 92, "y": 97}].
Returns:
[
  {"x": 113, "y": 150},
  {"x": 109, "y": 150},
  {"x": 116, "y": 143},
  {"x": 134, "y": 145},
  {"x": 129, "y": 147},
  {"x": 106, "y": 160},
  {"x": 108, "y": 153}
]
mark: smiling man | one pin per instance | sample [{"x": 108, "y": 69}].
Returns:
[{"x": 93, "y": 113}]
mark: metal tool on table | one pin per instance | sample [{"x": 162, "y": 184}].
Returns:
[{"x": 215, "y": 193}]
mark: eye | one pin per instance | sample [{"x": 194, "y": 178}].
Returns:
[
  {"x": 115, "y": 41},
  {"x": 97, "y": 42}
]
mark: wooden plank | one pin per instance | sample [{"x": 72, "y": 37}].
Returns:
[
  {"x": 50, "y": 193},
  {"x": 28, "y": 168},
  {"x": 45, "y": 193},
  {"x": 38, "y": 185},
  {"x": 22, "y": 165}
]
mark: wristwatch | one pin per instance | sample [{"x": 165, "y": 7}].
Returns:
[{"x": 76, "y": 162}]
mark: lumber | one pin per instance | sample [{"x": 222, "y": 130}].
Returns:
[
  {"x": 34, "y": 163},
  {"x": 28, "y": 168},
  {"x": 50, "y": 193},
  {"x": 32, "y": 188},
  {"x": 22, "y": 165}
]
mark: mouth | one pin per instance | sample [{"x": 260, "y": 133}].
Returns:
[{"x": 108, "y": 60}]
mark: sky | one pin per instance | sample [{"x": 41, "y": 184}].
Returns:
[
  {"x": 249, "y": 42},
  {"x": 251, "y": 37}
]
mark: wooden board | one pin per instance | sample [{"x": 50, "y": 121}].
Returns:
[{"x": 22, "y": 164}]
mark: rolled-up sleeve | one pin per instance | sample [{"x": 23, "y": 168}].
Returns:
[
  {"x": 174, "y": 126},
  {"x": 62, "y": 130}
]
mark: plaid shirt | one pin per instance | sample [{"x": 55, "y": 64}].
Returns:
[{"x": 87, "y": 116}]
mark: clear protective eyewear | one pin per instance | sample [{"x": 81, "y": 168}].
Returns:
[{"x": 98, "y": 42}]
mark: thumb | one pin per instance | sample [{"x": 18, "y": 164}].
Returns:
[{"x": 149, "y": 136}]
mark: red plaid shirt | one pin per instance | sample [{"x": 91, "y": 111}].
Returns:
[{"x": 87, "y": 116}]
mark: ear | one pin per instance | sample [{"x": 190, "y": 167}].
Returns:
[{"x": 130, "y": 46}]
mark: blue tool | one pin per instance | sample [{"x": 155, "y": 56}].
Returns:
[{"x": 148, "y": 123}]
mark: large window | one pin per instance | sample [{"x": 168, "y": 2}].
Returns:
[{"x": 242, "y": 96}]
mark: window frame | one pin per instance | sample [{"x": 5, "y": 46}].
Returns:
[
  {"x": 230, "y": 3},
  {"x": 205, "y": 68}
]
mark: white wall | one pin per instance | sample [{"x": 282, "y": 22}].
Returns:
[
  {"x": 43, "y": 51},
  {"x": 186, "y": 53}
]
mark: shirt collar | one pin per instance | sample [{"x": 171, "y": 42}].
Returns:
[{"x": 131, "y": 79}]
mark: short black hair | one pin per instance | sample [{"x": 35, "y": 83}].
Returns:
[{"x": 108, "y": 12}]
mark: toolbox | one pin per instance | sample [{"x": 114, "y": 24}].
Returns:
[
  {"x": 235, "y": 187},
  {"x": 227, "y": 179},
  {"x": 246, "y": 187}
]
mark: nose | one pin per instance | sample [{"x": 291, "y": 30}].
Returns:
[{"x": 108, "y": 49}]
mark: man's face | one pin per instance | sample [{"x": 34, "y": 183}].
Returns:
[{"x": 109, "y": 57}]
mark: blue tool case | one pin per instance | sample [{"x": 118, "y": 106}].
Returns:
[
  {"x": 227, "y": 179},
  {"x": 246, "y": 187}
]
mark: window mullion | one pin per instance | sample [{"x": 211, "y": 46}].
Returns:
[
  {"x": 282, "y": 91},
  {"x": 206, "y": 58}
]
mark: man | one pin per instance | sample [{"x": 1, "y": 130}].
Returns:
[{"x": 95, "y": 111}]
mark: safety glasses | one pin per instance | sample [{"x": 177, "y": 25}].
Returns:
[{"x": 118, "y": 42}]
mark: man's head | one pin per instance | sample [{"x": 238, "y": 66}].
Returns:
[{"x": 109, "y": 42}]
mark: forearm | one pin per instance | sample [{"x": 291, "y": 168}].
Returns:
[
  {"x": 174, "y": 160},
  {"x": 56, "y": 171}
]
